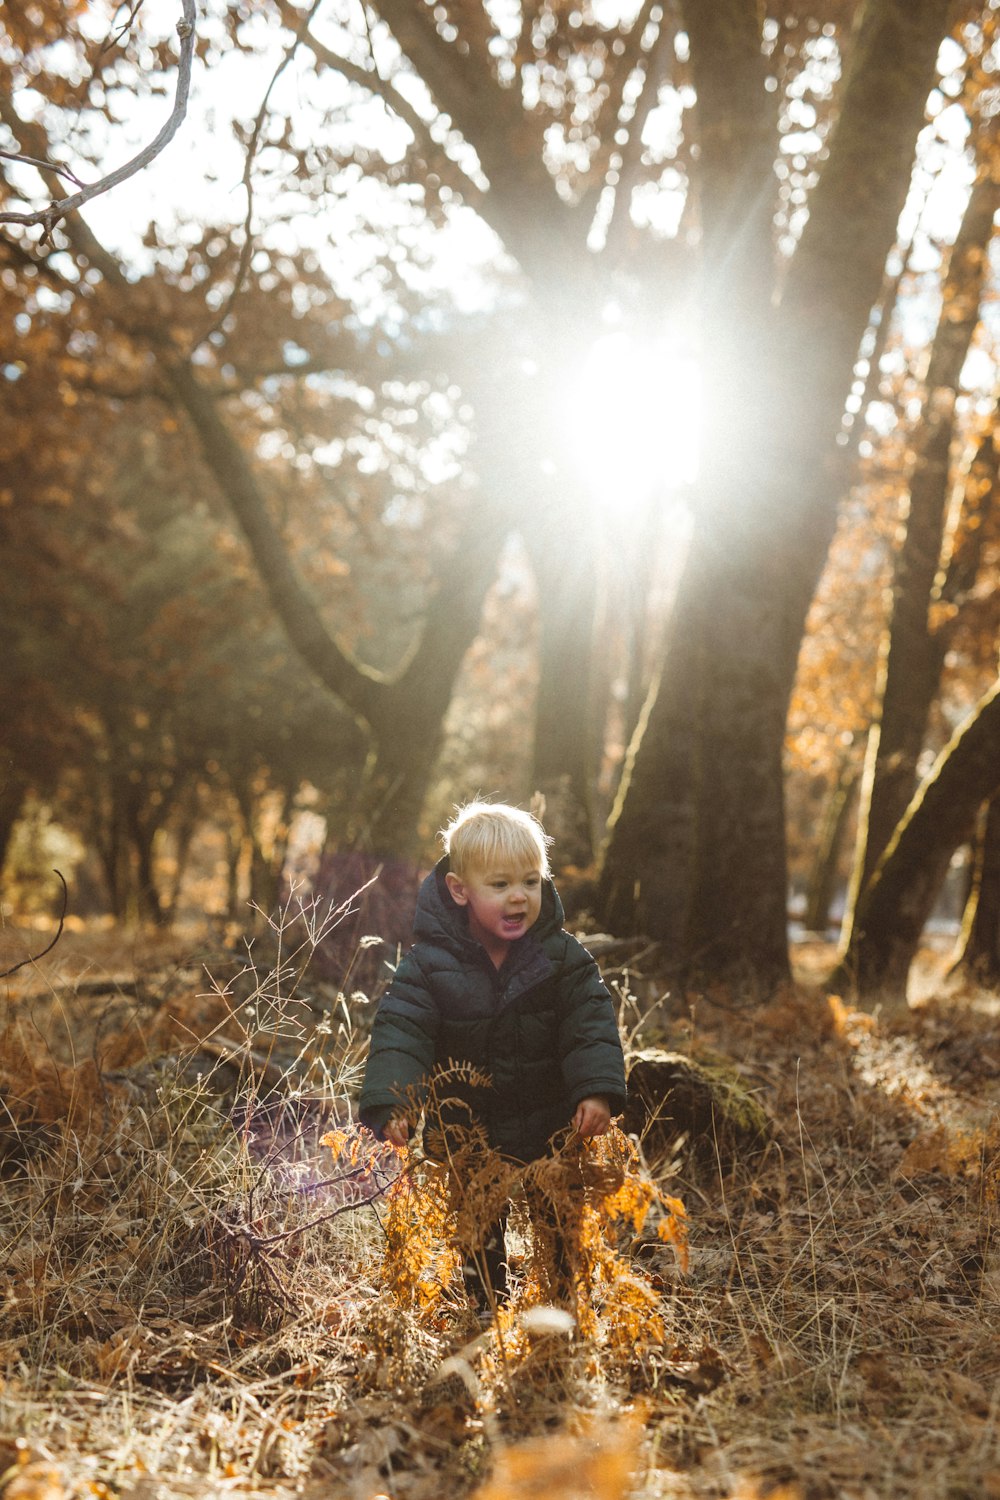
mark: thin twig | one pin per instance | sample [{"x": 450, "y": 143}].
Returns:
[
  {"x": 44, "y": 166},
  {"x": 115, "y": 37},
  {"x": 5, "y": 974},
  {"x": 49, "y": 217}
]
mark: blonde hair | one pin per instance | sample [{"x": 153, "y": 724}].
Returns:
[{"x": 483, "y": 835}]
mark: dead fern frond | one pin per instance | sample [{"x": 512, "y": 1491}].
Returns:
[
  {"x": 578, "y": 1209},
  {"x": 419, "y": 1228},
  {"x": 591, "y": 1192}
]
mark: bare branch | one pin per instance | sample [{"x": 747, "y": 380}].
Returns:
[
  {"x": 43, "y": 166},
  {"x": 654, "y": 61},
  {"x": 623, "y": 67},
  {"x": 369, "y": 78},
  {"x": 51, "y": 216},
  {"x": 523, "y": 206},
  {"x": 6, "y": 973},
  {"x": 248, "y": 237},
  {"x": 115, "y": 36}
]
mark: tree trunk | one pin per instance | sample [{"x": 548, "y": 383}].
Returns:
[
  {"x": 12, "y": 794},
  {"x": 115, "y": 852},
  {"x": 239, "y": 852},
  {"x": 978, "y": 954},
  {"x": 562, "y": 556},
  {"x": 263, "y": 869},
  {"x": 696, "y": 851},
  {"x": 404, "y": 716},
  {"x": 141, "y": 830},
  {"x": 912, "y": 655},
  {"x": 899, "y": 897},
  {"x": 697, "y": 858},
  {"x": 184, "y": 828},
  {"x": 149, "y": 904},
  {"x": 823, "y": 878}
]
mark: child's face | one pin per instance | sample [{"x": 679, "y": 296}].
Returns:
[{"x": 503, "y": 902}]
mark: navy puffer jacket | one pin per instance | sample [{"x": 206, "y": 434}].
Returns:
[{"x": 541, "y": 1028}]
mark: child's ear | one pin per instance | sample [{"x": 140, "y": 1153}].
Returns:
[{"x": 458, "y": 892}]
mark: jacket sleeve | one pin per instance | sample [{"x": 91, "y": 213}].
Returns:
[
  {"x": 401, "y": 1053},
  {"x": 590, "y": 1048}
]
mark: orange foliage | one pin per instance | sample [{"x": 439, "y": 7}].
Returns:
[
  {"x": 944, "y": 1150},
  {"x": 588, "y": 1193},
  {"x": 600, "y": 1463}
]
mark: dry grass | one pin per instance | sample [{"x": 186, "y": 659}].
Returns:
[{"x": 174, "y": 1321}]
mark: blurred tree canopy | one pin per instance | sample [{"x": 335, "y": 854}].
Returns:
[{"x": 269, "y": 452}]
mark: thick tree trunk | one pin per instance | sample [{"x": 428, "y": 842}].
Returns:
[
  {"x": 912, "y": 654},
  {"x": 899, "y": 897},
  {"x": 978, "y": 951},
  {"x": 696, "y": 852},
  {"x": 697, "y": 858}
]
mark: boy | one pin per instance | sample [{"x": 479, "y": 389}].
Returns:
[{"x": 494, "y": 982}]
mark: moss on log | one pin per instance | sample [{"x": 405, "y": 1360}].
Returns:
[{"x": 703, "y": 1100}]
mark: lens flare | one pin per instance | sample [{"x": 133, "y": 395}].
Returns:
[{"x": 633, "y": 419}]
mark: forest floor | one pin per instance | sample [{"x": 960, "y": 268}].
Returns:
[{"x": 189, "y": 1307}]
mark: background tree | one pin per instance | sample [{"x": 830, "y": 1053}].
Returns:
[
  {"x": 706, "y": 773},
  {"x": 913, "y": 649},
  {"x": 379, "y": 450},
  {"x": 898, "y": 899}
]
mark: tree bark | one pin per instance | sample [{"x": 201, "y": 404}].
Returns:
[
  {"x": 115, "y": 851},
  {"x": 185, "y": 824},
  {"x": 142, "y": 837},
  {"x": 899, "y": 897}
]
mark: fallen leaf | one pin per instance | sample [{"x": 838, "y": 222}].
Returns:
[
  {"x": 36, "y": 1481},
  {"x": 967, "y": 1392}
]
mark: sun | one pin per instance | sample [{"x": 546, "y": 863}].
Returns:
[{"x": 632, "y": 417}]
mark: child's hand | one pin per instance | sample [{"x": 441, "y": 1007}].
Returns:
[
  {"x": 397, "y": 1130},
  {"x": 593, "y": 1116}
]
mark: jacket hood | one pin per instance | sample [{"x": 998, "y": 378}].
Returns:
[{"x": 439, "y": 919}]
